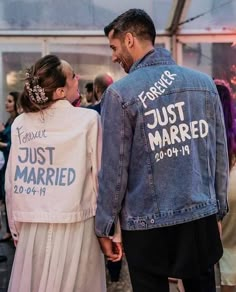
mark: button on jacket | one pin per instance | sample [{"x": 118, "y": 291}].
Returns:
[
  {"x": 53, "y": 164},
  {"x": 164, "y": 157}
]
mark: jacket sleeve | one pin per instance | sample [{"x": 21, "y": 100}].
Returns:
[
  {"x": 9, "y": 193},
  {"x": 222, "y": 164},
  {"x": 113, "y": 176},
  {"x": 96, "y": 149}
]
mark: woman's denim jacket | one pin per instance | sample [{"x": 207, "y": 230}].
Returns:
[{"x": 164, "y": 158}]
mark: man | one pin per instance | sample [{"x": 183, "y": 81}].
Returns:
[
  {"x": 101, "y": 82},
  {"x": 164, "y": 169}
]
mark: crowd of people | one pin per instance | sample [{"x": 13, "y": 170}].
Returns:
[{"x": 145, "y": 167}]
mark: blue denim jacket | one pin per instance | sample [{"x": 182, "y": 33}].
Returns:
[{"x": 164, "y": 158}]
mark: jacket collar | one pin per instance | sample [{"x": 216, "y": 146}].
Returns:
[
  {"x": 62, "y": 103},
  {"x": 158, "y": 56}
]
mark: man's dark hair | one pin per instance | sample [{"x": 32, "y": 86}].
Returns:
[
  {"x": 89, "y": 86},
  {"x": 135, "y": 21}
]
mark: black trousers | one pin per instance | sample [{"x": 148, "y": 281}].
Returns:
[
  {"x": 149, "y": 283},
  {"x": 204, "y": 283},
  {"x": 156, "y": 254}
]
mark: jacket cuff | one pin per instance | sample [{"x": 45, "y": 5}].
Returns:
[{"x": 221, "y": 215}]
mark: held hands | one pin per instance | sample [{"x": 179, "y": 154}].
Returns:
[{"x": 112, "y": 250}]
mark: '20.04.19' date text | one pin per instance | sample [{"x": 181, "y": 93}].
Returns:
[{"x": 170, "y": 152}]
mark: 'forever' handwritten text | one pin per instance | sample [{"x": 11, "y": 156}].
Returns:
[{"x": 25, "y": 137}]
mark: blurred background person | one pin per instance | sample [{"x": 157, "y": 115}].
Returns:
[
  {"x": 90, "y": 98},
  {"x": 86, "y": 98},
  {"x": 227, "y": 263},
  {"x": 18, "y": 105},
  {"x": 2, "y": 160},
  {"x": 101, "y": 82},
  {"x": 5, "y": 143},
  {"x": 3, "y": 258}
]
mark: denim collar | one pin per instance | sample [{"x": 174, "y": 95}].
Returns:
[{"x": 158, "y": 56}]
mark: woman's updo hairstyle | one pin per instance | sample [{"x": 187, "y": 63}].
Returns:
[{"x": 41, "y": 81}]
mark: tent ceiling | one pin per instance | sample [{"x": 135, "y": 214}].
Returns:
[
  {"x": 210, "y": 15},
  {"x": 170, "y": 16}
]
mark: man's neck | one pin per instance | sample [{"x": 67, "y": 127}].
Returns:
[{"x": 142, "y": 51}]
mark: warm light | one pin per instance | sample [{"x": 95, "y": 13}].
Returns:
[
  {"x": 233, "y": 80},
  {"x": 11, "y": 78},
  {"x": 233, "y": 68}
]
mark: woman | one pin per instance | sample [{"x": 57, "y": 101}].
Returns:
[
  {"x": 228, "y": 260},
  {"x": 5, "y": 143},
  {"x": 51, "y": 185}
]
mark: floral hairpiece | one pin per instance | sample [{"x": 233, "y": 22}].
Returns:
[{"x": 36, "y": 92}]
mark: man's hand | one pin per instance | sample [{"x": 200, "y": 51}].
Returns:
[{"x": 112, "y": 250}]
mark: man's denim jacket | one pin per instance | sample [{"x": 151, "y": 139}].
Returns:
[{"x": 164, "y": 157}]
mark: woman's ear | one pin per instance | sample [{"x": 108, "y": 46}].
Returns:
[{"x": 60, "y": 93}]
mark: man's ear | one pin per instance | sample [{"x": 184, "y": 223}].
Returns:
[{"x": 129, "y": 40}]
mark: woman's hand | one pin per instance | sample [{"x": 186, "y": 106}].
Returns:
[
  {"x": 2, "y": 127},
  {"x": 3, "y": 145}
]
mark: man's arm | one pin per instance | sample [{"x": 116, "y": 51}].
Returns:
[
  {"x": 113, "y": 176},
  {"x": 222, "y": 164}
]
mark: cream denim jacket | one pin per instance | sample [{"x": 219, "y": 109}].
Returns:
[{"x": 52, "y": 170}]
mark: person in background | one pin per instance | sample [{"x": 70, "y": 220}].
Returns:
[
  {"x": 227, "y": 263},
  {"x": 90, "y": 98},
  {"x": 18, "y": 105},
  {"x": 101, "y": 82},
  {"x": 2, "y": 160},
  {"x": 3, "y": 258},
  {"x": 51, "y": 185},
  {"x": 5, "y": 144},
  {"x": 164, "y": 170}
]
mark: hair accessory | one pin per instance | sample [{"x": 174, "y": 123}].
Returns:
[{"x": 36, "y": 92}]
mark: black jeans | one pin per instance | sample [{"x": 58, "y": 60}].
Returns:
[
  {"x": 142, "y": 282},
  {"x": 206, "y": 282},
  {"x": 148, "y": 265}
]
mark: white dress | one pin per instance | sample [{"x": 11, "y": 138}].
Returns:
[{"x": 58, "y": 258}]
